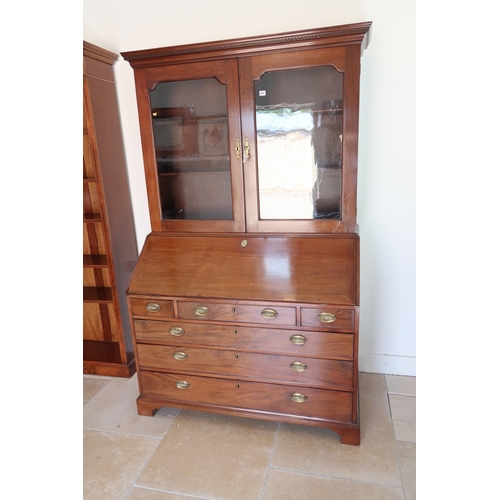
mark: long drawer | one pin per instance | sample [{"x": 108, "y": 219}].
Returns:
[
  {"x": 277, "y": 399},
  {"x": 238, "y": 313},
  {"x": 239, "y": 364},
  {"x": 320, "y": 344}
]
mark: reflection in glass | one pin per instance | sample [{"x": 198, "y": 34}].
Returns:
[
  {"x": 190, "y": 131},
  {"x": 299, "y": 143}
]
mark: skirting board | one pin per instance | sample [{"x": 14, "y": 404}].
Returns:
[{"x": 387, "y": 364}]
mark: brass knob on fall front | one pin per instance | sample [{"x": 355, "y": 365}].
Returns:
[
  {"x": 180, "y": 356},
  {"x": 269, "y": 313},
  {"x": 176, "y": 331},
  {"x": 297, "y": 397},
  {"x": 327, "y": 317},
  {"x": 152, "y": 307},
  {"x": 298, "y": 339},
  {"x": 201, "y": 311},
  {"x": 182, "y": 384}
]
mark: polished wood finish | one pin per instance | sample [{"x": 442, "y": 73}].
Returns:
[
  {"x": 250, "y": 316},
  {"x": 225, "y": 337},
  {"x": 109, "y": 246}
]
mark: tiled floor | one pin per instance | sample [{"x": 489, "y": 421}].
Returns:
[{"x": 186, "y": 455}]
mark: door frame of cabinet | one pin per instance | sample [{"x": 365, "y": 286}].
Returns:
[{"x": 226, "y": 73}]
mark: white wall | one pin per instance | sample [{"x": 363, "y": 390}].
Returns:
[{"x": 386, "y": 201}]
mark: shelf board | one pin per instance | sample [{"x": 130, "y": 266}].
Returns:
[
  {"x": 95, "y": 261},
  {"x": 97, "y": 294},
  {"x": 91, "y": 217}
]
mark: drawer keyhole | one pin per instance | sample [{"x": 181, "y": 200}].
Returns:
[
  {"x": 234, "y": 310},
  {"x": 237, "y": 356}
]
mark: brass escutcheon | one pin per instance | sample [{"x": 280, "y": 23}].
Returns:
[
  {"x": 176, "y": 331},
  {"x": 298, "y": 339},
  {"x": 180, "y": 356},
  {"x": 182, "y": 384},
  {"x": 297, "y": 397},
  {"x": 297, "y": 366},
  {"x": 327, "y": 317},
  {"x": 201, "y": 311},
  {"x": 244, "y": 243},
  {"x": 269, "y": 313},
  {"x": 152, "y": 307},
  {"x": 237, "y": 148}
]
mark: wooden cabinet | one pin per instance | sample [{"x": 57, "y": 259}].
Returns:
[
  {"x": 109, "y": 246},
  {"x": 245, "y": 299}
]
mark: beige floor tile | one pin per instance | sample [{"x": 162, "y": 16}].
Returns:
[
  {"x": 91, "y": 386},
  {"x": 407, "y": 462},
  {"x": 319, "y": 451},
  {"x": 403, "y": 407},
  {"x": 401, "y": 384},
  {"x": 287, "y": 485},
  {"x": 112, "y": 462},
  {"x": 146, "y": 494},
  {"x": 405, "y": 430},
  {"x": 113, "y": 408},
  {"x": 212, "y": 456}
]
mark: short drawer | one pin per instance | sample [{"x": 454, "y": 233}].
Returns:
[
  {"x": 326, "y": 373},
  {"x": 322, "y": 344},
  {"x": 258, "y": 397},
  {"x": 152, "y": 307},
  {"x": 327, "y": 317},
  {"x": 235, "y": 313}
]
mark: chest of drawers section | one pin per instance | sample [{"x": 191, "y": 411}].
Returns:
[{"x": 280, "y": 361}]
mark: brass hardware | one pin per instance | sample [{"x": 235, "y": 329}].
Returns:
[
  {"x": 246, "y": 149},
  {"x": 297, "y": 397},
  {"x": 244, "y": 243},
  {"x": 152, "y": 307},
  {"x": 180, "y": 356},
  {"x": 182, "y": 384},
  {"x": 297, "y": 366},
  {"x": 155, "y": 113},
  {"x": 327, "y": 317},
  {"x": 201, "y": 311},
  {"x": 176, "y": 331},
  {"x": 237, "y": 148},
  {"x": 269, "y": 313},
  {"x": 298, "y": 339}
]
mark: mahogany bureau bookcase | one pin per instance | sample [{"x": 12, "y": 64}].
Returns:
[{"x": 245, "y": 298}]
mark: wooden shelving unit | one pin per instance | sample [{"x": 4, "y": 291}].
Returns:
[{"x": 109, "y": 244}]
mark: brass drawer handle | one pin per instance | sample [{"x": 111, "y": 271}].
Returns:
[
  {"x": 297, "y": 397},
  {"x": 269, "y": 313},
  {"x": 182, "y": 384},
  {"x": 201, "y": 311},
  {"x": 297, "y": 366},
  {"x": 176, "y": 331},
  {"x": 152, "y": 307},
  {"x": 327, "y": 317},
  {"x": 180, "y": 356},
  {"x": 298, "y": 339}
]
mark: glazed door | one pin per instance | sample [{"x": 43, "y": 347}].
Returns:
[
  {"x": 300, "y": 131},
  {"x": 191, "y": 146}
]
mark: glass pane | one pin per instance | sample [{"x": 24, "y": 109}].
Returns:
[
  {"x": 299, "y": 143},
  {"x": 190, "y": 131}
]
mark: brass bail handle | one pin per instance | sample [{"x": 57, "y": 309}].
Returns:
[{"x": 246, "y": 149}]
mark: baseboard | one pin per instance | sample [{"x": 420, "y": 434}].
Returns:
[{"x": 387, "y": 364}]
